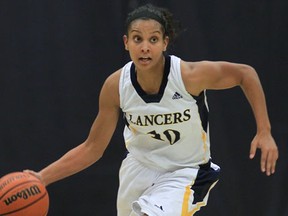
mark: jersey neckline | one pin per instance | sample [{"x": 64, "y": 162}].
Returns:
[{"x": 151, "y": 98}]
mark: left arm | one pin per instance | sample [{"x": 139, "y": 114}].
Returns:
[{"x": 222, "y": 75}]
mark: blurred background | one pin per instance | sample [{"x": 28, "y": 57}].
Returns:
[{"x": 55, "y": 56}]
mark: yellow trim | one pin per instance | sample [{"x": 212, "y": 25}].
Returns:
[
  {"x": 185, "y": 205},
  {"x": 197, "y": 208},
  {"x": 186, "y": 201},
  {"x": 204, "y": 139}
]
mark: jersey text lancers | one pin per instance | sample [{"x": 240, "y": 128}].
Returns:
[{"x": 159, "y": 119}]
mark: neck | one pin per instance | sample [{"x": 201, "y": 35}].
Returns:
[{"x": 150, "y": 80}]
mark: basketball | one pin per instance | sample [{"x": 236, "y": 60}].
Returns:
[{"x": 22, "y": 194}]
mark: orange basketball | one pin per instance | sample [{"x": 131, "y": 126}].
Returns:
[{"x": 22, "y": 194}]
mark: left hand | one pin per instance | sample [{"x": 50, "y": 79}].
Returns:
[{"x": 269, "y": 151}]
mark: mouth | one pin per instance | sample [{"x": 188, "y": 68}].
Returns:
[{"x": 145, "y": 59}]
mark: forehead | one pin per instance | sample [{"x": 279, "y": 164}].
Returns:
[{"x": 147, "y": 25}]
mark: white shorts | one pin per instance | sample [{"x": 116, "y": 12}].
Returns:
[{"x": 179, "y": 193}]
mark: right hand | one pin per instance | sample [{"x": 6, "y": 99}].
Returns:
[{"x": 36, "y": 174}]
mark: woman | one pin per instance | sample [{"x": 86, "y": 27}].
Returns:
[{"x": 168, "y": 170}]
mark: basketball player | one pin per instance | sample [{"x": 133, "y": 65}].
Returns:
[{"x": 168, "y": 170}]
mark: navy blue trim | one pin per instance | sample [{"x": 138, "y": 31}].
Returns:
[
  {"x": 206, "y": 177},
  {"x": 203, "y": 111},
  {"x": 151, "y": 98},
  {"x": 125, "y": 120}
]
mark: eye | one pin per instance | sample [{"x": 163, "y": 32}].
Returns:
[
  {"x": 154, "y": 40},
  {"x": 137, "y": 39}
]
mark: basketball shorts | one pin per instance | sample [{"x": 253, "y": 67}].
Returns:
[{"x": 179, "y": 193}]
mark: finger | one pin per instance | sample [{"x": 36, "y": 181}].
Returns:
[
  {"x": 275, "y": 158},
  {"x": 33, "y": 173},
  {"x": 269, "y": 163},
  {"x": 263, "y": 160},
  {"x": 253, "y": 149},
  {"x": 29, "y": 172},
  {"x": 273, "y": 168}
]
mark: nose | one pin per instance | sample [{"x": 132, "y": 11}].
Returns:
[{"x": 145, "y": 48}]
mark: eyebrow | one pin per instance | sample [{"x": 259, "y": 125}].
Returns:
[{"x": 134, "y": 30}]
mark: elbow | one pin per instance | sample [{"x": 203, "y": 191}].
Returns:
[
  {"x": 249, "y": 70},
  {"x": 249, "y": 74}
]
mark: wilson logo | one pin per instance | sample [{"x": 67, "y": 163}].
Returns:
[{"x": 24, "y": 194}]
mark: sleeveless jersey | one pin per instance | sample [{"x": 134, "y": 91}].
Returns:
[{"x": 165, "y": 131}]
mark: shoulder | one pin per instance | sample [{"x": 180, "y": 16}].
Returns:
[
  {"x": 193, "y": 74},
  {"x": 189, "y": 68},
  {"x": 112, "y": 80},
  {"x": 110, "y": 88}
]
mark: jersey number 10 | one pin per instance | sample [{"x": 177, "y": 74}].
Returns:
[{"x": 171, "y": 135}]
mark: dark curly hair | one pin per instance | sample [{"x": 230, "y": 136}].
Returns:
[{"x": 170, "y": 27}]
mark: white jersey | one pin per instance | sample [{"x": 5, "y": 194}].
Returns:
[{"x": 165, "y": 131}]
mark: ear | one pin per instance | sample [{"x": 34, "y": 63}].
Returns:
[
  {"x": 166, "y": 42},
  {"x": 125, "y": 40}
]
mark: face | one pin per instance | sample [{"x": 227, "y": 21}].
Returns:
[{"x": 145, "y": 43}]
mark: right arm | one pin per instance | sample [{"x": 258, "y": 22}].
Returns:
[{"x": 92, "y": 149}]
